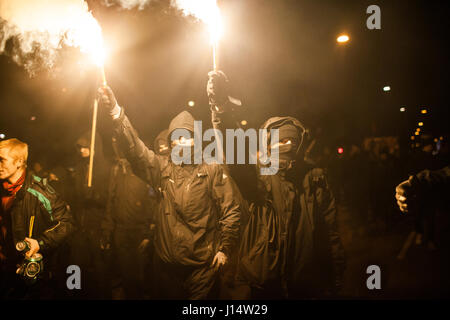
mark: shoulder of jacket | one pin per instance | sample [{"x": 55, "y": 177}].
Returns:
[
  {"x": 42, "y": 186},
  {"x": 315, "y": 177},
  {"x": 317, "y": 173},
  {"x": 211, "y": 168}
]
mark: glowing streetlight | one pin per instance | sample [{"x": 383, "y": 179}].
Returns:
[
  {"x": 343, "y": 38},
  {"x": 244, "y": 122},
  {"x": 386, "y": 88},
  {"x": 2, "y": 136},
  {"x": 412, "y": 137},
  {"x": 191, "y": 103},
  {"x": 423, "y": 111},
  {"x": 416, "y": 133},
  {"x": 420, "y": 124},
  {"x": 402, "y": 109}
]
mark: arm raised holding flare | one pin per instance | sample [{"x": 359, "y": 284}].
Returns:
[
  {"x": 295, "y": 205},
  {"x": 198, "y": 220}
]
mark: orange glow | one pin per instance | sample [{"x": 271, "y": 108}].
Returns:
[{"x": 343, "y": 38}]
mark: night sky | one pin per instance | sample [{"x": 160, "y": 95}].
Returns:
[{"x": 281, "y": 58}]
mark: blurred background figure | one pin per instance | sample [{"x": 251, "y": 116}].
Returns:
[
  {"x": 89, "y": 207},
  {"x": 127, "y": 227}
]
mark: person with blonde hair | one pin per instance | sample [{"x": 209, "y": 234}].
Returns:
[{"x": 32, "y": 215}]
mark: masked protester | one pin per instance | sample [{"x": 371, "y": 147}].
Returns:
[
  {"x": 128, "y": 224},
  {"x": 197, "y": 224},
  {"x": 89, "y": 205},
  {"x": 34, "y": 220},
  {"x": 291, "y": 247}
]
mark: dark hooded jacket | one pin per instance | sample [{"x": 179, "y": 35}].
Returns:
[
  {"x": 292, "y": 234},
  {"x": 131, "y": 202},
  {"x": 89, "y": 204},
  {"x": 53, "y": 221},
  {"x": 162, "y": 140},
  {"x": 198, "y": 209}
]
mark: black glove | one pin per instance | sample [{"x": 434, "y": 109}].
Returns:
[
  {"x": 107, "y": 100},
  {"x": 217, "y": 88}
]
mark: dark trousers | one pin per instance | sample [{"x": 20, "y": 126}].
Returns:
[
  {"x": 13, "y": 287},
  {"x": 176, "y": 281},
  {"x": 94, "y": 264},
  {"x": 132, "y": 262}
]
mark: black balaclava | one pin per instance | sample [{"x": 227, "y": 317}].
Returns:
[
  {"x": 183, "y": 120},
  {"x": 288, "y": 151}
]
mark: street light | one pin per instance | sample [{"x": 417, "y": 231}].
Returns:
[
  {"x": 343, "y": 38},
  {"x": 402, "y": 109},
  {"x": 386, "y": 88},
  {"x": 244, "y": 122},
  {"x": 420, "y": 124},
  {"x": 2, "y": 136},
  {"x": 191, "y": 103},
  {"x": 423, "y": 111}
]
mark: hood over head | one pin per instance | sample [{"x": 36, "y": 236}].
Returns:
[
  {"x": 183, "y": 120},
  {"x": 287, "y": 126},
  {"x": 85, "y": 141}
]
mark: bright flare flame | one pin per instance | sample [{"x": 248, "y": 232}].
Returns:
[
  {"x": 205, "y": 10},
  {"x": 208, "y": 12},
  {"x": 53, "y": 23}
]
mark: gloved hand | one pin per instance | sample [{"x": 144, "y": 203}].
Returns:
[
  {"x": 404, "y": 193},
  {"x": 107, "y": 100},
  {"x": 217, "y": 89}
]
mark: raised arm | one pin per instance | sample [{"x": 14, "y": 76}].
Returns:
[{"x": 145, "y": 162}]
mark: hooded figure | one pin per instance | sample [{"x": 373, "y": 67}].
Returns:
[
  {"x": 197, "y": 224},
  {"x": 127, "y": 224},
  {"x": 89, "y": 204},
  {"x": 290, "y": 246}
]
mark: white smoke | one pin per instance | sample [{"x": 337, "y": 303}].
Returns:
[
  {"x": 33, "y": 31},
  {"x": 128, "y": 4}
]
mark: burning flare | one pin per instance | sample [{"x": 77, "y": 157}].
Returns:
[
  {"x": 208, "y": 12},
  {"x": 49, "y": 25}
]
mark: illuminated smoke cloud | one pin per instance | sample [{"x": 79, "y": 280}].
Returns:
[
  {"x": 128, "y": 4},
  {"x": 33, "y": 31}
]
